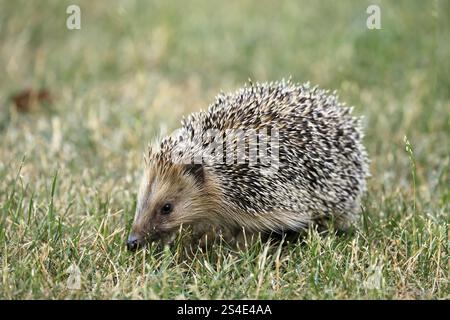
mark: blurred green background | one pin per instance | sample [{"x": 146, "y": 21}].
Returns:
[{"x": 137, "y": 66}]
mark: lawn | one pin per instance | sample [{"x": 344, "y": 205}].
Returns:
[{"x": 70, "y": 164}]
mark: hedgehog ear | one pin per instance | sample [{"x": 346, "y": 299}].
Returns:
[{"x": 197, "y": 171}]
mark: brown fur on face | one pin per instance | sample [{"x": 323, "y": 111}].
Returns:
[{"x": 185, "y": 187}]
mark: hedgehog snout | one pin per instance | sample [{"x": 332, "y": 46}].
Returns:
[
  {"x": 132, "y": 242},
  {"x": 136, "y": 240}
]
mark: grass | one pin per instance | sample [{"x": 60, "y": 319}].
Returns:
[{"x": 69, "y": 171}]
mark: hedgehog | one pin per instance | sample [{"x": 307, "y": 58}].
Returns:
[{"x": 271, "y": 158}]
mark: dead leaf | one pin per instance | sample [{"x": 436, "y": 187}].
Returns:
[{"x": 28, "y": 99}]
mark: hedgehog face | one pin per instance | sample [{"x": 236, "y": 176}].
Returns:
[{"x": 168, "y": 198}]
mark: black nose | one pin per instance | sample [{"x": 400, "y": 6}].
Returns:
[{"x": 132, "y": 243}]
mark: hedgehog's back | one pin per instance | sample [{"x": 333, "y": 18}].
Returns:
[{"x": 321, "y": 167}]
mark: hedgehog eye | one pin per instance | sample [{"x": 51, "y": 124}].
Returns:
[{"x": 167, "y": 208}]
